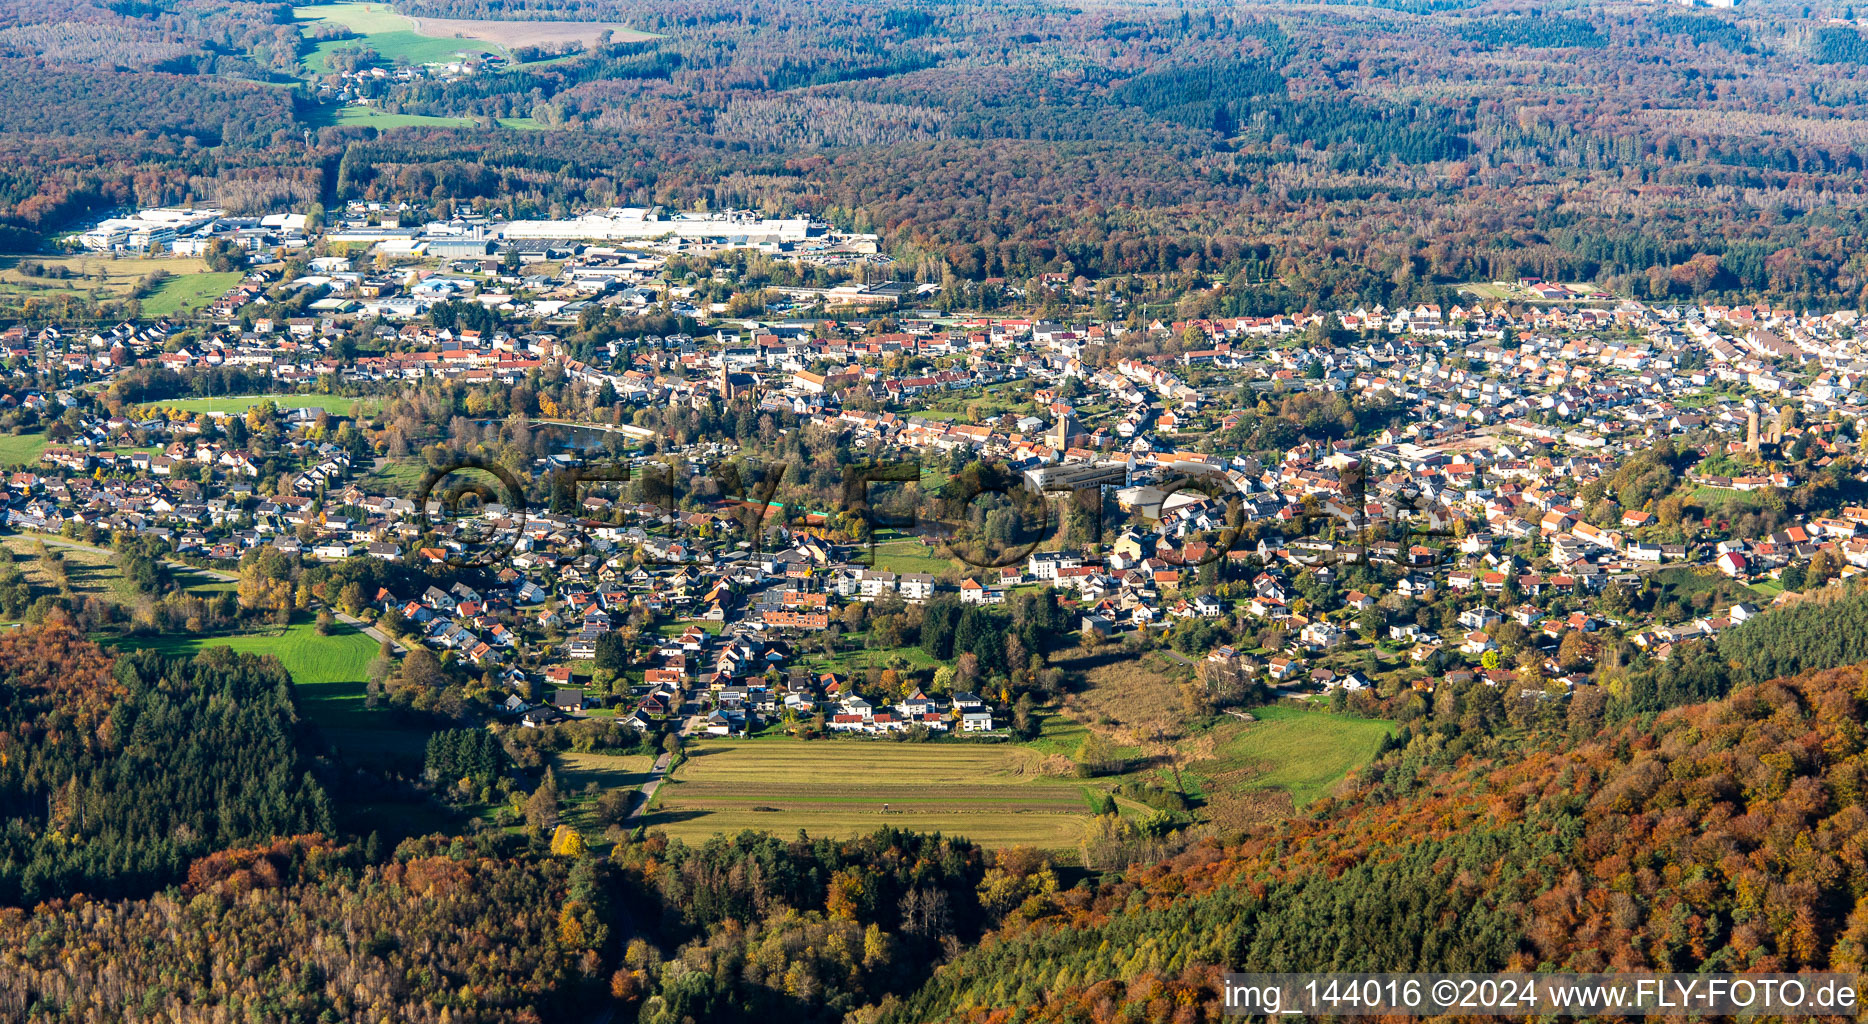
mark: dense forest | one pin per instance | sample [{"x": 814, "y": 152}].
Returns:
[
  {"x": 1725, "y": 836},
  {"x": 1348, "y": 155},
  {"x": 1618, "y": 836},
  {"x": 115, "y": 774},
  {"x": 167, "y": 848},
  {"x": 305, "y": 930},
  {"x": 759, "y": 928}
]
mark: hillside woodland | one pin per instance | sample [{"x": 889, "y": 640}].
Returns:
[
  {"x": 1722, "y": 834},
  {"x": 116, "y": 773},
  {"x": 1340, "y": 154},
  {"x": 1725, "y": 836},
  {"x": 168, "y": 851},
  {"x": 301, "y": 930}
]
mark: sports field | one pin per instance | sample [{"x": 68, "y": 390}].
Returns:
[{"x": 846, "y": 787}]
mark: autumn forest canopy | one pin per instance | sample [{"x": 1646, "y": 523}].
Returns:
[
  {"x": 181, "y": 842},
  {"x": 1345, "y": 154},
  {"x": 1688, "y": 816}
]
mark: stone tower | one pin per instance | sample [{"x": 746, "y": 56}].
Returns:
[{"x": 1066, "y": 433}]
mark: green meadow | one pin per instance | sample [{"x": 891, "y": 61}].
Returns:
[
  {"x": 1304, "y": 753},
  {"x": 386, "y": 32},
  {"x": 329, "y": 672}
]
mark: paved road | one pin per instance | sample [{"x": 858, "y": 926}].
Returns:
[
  {"x": 656, "y": 775},
  {"x": 648, "y": 788},
  {"x": 370, "y": 631}
]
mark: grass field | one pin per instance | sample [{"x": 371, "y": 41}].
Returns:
[
  {"x": 340, "y": 405},
  {"x": 681, "y": 626},
  {"x": 386, "y": 32},
  {"x": 329, "y": 672},
  {"x": 92, "y": 572},
  {"x": 352, "y": 116},
  {"x": 188, "y": 293},
  {"x": 1133, "y": 699},
  {"x": 383, "y": 120},
  {"x": 577, "y": 772},
  {"x": 190, "y": 286},
  {"x": 546, "y": 34},
  {"x": 845, "y": 662},
  {"x": 1304, "y": 753},
  {"x": 976, "y": 405},
  {"x": 1494, "y": 292},
  {"x": 1684, "y": 583},
  {"x": 1488, "y": 291},
  {"x": 1716, "y": 497},
  {"x": 404, "y": 40},
  {"x": 22, "y": 449},
  {"x": 1134, "y": 702},
  {"x": 993, "y": 795},
  {"x": 398, "y": 478},
  {"x": 908, "y": 554},
  {"x": 363, "y": 19}
]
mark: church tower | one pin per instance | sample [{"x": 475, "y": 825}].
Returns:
[{"x": 1067, "y": 433}]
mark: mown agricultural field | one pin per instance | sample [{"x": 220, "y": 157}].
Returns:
[
  {"x": 384, "y": 31},
  {"x": 993, "y": 795},
  {"x": 406, "y": 40}
]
